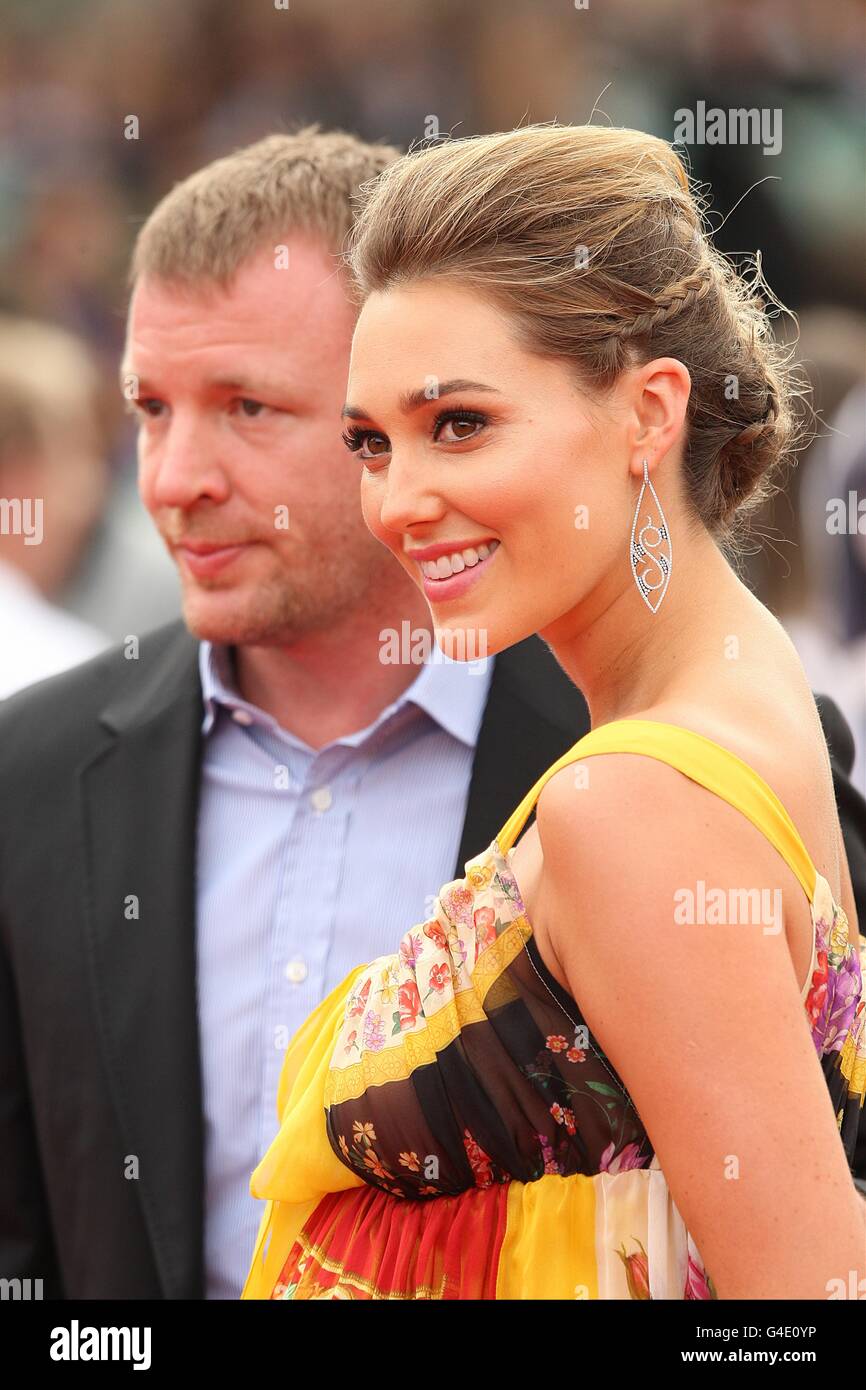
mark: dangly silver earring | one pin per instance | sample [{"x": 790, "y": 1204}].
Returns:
[{"x": 653, "y": 543}]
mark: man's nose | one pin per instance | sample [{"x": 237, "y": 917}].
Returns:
[{"x": 185, "y": 464}]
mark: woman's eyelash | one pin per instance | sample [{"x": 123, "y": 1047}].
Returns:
[{"x": 354, "y": 436}]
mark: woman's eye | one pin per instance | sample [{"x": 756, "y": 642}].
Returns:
[
  {"x": 252, "y": 409},
  {"x": 376, "y": 444},
  {"x": 364, "y": 443},
  {"x": 150, "y": 406},
  {"x": 461, "y": 427}
]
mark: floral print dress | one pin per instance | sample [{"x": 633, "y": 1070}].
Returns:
[{"x": 451, "y": 1128}]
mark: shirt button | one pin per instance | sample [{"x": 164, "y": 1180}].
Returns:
[
  {"x": 296, "y": 971},
  {"x": 321, "y": 798},
  {"x": 242, "y": 716}
]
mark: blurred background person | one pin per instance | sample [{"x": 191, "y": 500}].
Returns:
[
  {"x": 810, "y": 568},
  {"x": 831, "y": 626},
  {"x": 52, "y": 486},
  {"x": 97, "y": 572}
]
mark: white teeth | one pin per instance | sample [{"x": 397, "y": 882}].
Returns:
[{"x": 447, "y": 565}]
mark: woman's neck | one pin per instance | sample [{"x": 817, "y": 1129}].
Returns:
[{"x": 626, "y": 659}]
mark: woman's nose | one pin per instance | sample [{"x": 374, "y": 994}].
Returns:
[{"x": 411, "y": 496}]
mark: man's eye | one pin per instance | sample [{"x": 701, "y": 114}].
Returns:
[
  {"x": 150, "y": 406},
  {"x": 250, "y": 408}
]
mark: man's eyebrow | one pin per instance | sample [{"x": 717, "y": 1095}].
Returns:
[
  {"x": 125, "y": 371},
  {"x": 233, "y": 382},
  {"x": 413, "y": 400}
]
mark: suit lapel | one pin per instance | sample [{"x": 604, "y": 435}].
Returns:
[
  {"x": 533, "y": 715},
  {"x": 139, "y": 803}
]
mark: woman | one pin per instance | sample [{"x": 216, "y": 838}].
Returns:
[{"x": 625, "y": 1058}]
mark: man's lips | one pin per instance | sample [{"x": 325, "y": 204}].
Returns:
[
  {"x": 207, "y": 547},
  {"x": 205, "y": 558}
]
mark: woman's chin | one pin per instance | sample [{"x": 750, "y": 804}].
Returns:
[
  {"x": 462, "y": 642},
  {"x": 465, "y": 641}
]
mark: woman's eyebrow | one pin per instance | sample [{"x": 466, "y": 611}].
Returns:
[{"x": 413, "y": 400}]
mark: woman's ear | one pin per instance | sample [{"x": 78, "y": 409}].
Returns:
[{"x": 661, "y": 391}]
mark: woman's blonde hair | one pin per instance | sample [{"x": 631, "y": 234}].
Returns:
[{"x": 594, "y": 243}]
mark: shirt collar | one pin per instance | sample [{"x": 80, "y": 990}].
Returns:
[
  {"x": 452, "y": 693},
  {"x": 217, "y": 684}
]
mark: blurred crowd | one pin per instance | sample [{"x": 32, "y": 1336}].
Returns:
[{"x": 104, "y": 104}]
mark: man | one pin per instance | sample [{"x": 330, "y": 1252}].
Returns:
[{"x": 205, "y": 832}]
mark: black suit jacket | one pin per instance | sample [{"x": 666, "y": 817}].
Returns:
[{"x": 101, "y": 1132}]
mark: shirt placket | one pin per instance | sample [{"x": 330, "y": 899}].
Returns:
[{"x": 305, "y": 904}]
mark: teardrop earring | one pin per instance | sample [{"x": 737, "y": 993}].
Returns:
[{"x": 652, "y": 542}]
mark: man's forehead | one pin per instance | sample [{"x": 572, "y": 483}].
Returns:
[
  {"x": 212, "y": 340},
  {"x": 157, "y": 304},
  {"x": 262, "y": 302}
]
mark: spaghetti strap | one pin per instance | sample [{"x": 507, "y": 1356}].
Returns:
[{"x": 699, "y": 758}]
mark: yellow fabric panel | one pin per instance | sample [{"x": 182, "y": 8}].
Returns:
[
  {"x": 282, "y": 1223},
  {"x": 549, "y": 1246}
]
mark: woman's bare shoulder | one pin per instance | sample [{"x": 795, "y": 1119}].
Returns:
[{"x": 782, "y": 740}]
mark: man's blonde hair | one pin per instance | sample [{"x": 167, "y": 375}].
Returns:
[{"x": 212, "y": 222}]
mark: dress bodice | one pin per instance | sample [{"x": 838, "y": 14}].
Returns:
[{"x": 463, "y": 1050}]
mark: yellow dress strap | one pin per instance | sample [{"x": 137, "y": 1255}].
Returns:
[{"x": 701, "y": 759}]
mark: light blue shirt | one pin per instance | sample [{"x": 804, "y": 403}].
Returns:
[{"x": 309, "y": 863}]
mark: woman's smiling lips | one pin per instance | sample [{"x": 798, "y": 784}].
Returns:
[
  {"x": 205, "y": 558},
  {"x": 474, "y": 558}
]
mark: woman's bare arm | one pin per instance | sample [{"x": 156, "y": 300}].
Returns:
[{"x": 704, "y": 1023}]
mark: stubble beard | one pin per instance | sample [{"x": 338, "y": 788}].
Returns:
[{"x": 277, "y": 610}]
